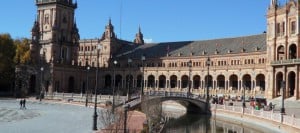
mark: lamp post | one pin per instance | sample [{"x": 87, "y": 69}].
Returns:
[
  {"x": 207, "y": 89},
  {"x": 96, "y": 86},
  {"x": 87, "y": 85},
  {"x": 189, "y": 83},
  {"x": 114, "y": 85},
  {"x": 143, "y": 58},
  {"x": 282, "y": 110},
  {"x": 244, "y": 95},
  {"x": 126, "y": 107},
  {"x": 129, "y": 79},
  {"x": 41, "y": 88}
]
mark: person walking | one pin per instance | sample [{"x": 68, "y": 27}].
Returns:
[
  {"x": 21, "y": 104},
  {"x": 24, "y": 104}
]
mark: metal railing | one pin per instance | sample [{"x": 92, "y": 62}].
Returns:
[
  {"x": 285, "y": 62},
  {"x": 268, "y": 115}
]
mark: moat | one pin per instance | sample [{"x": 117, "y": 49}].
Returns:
[{"x": 191, "y": 123}]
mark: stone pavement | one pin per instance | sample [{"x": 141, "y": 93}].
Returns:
[{"x": 44, "y": 117}]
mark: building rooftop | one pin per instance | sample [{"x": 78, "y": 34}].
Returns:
[{"x": 244, "y": 44}]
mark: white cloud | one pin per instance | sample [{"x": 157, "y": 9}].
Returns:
[{"x": 148, "y": 40}]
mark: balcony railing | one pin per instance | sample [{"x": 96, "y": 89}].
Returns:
[{"x": 285, "y": 62}]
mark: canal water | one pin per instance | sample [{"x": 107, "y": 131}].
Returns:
[
  {"x": 203, "y": 124},
  {"x": 195, "y": 123}
]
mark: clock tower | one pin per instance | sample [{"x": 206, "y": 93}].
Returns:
[{"x": 55, "y": 34}]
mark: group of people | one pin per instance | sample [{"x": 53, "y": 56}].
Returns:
[{"x": 23, "y": 104}]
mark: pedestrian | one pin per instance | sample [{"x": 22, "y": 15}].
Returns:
[
  {"x": 24, "y": 104},
  {"x": 21, "y": 104}
]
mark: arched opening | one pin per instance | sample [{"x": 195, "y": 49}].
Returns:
[
  {"x": 221, "y": 82},
  {"x": 32, "y": 84},
  {"x": 293, "y": 51},
  {"x": 151, "y": 81},
  {"x": 196, "y": 81},
  {"x": 208, "y": 81},
  {"x": 129, "y": 81},
  {"x": 162, "y": 81},
  {"x": 247, "y": 82},
  {"x": 280, "y": 53},
  {"x": 139, "y": 81},
  {"x": 107, "y": 82},
  {"x": 279, "y": 79},
  {"x": 71, "y": 84},
  {"x": 184, "y": 81},
  {"x": 173, "y": 82},
  {"x": 118, "y": 82},
  {"x": 291, "y": 84},
  {"x": 260, "y": 82},
  {"x": 233, "y": 82}
]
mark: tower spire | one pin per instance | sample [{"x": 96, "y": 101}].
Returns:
[
  {"x": 109, "y": 31},
  {"x": 139, "y": 38}
]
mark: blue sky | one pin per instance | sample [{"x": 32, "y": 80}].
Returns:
[{"x": 160, "y": 20}]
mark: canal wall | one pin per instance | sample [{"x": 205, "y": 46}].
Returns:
[{"x": 257, "y": 119}]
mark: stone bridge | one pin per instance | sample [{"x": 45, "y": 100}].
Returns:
[{"x": 193, "y": 103}]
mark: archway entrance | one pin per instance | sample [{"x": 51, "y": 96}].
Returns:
[
  {"x": 184, "y": 81},
  {"x": 107, "y": 82},
  {"x": 71, "y": 84},
  {"x": 118, "y": 82},
  {"x": 221, "y": 81},
  {"x": 293, "y": 51},
  {"x": 279, "y": 79},
  {"x": 208, "y": 81},
  {"x": 196, "y": 82},
  {"x": 162, "y": 81},
  {"x": 139, "y": 81},
  {"x": 260, "y": 82},
  {"x": 291, "y": 84},
  {"x": 151, "y": 81},
  {"x": 173, "y": 82},
  {"x": 247, "y": 82},
  {"x": 233, "y": 82}
]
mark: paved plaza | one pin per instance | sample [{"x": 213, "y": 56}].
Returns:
[{"x": 44, "y": 117}]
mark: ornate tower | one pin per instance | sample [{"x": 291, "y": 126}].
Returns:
[
  {"x": 139, "y": 38},
  {"x": 282, "y": 46},
  {"x": 56, "y": 36},
  {"x": 109, "y": 43}
]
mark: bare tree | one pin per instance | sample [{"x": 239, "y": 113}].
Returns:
[
  {"x": 113, "y": 122},
  {"x": 153, "y": 110}
]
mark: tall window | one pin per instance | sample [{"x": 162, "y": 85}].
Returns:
[
  {"x": 278, "y": 29},
  {"x": 293, "y": 27},
  {"x": 283, "y": 28}
]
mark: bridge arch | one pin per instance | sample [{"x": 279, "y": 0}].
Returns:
[{"x": 193, "y": 104}]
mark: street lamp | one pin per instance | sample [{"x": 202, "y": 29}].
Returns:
[
  {"x": 207, "y": 89},
  {"x": 143, "y": 58},
  {"x": 244, "y": 94},
  {"x": 189, "y": 83},
  {"x": 282, "y": 110},
  {"x": 114, "y": 85},
  {"x": 126, "y": 108},
  {"x": 96, "y": 86},
  {"x": 87, "y": 86},
  {"x": 41, "y": 88},
  {"x": 129, "y": 79}
]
